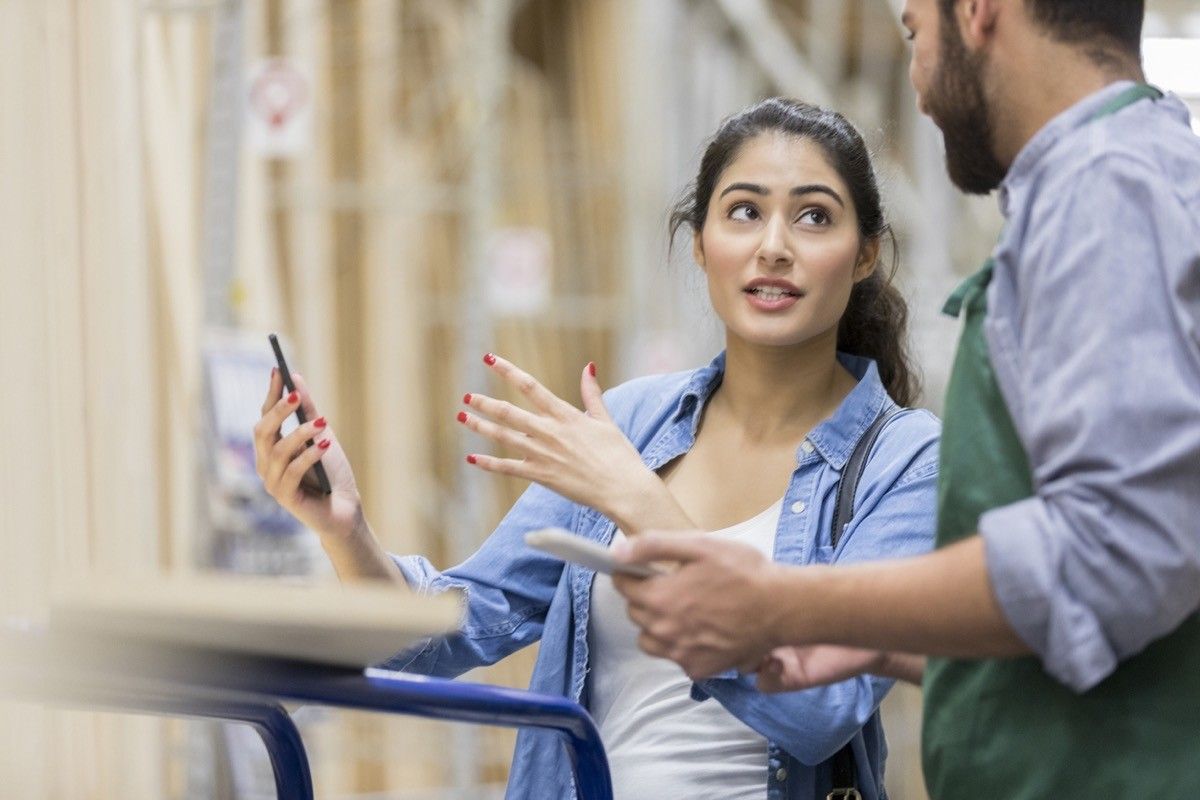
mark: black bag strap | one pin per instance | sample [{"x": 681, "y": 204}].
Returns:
[
  {"x": 844, "y": 776},
  {"x": 852, "y": 473}
]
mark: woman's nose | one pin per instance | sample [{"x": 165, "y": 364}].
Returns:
[{"x": 775, "y": 248}]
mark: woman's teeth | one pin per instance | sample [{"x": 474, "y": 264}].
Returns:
[{"x": 770, "y": 292}]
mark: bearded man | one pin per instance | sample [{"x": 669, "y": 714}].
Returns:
[{"x": 1060, "y": 610}]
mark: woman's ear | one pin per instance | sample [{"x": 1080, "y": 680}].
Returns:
[
  {"x": 698, "y": 249},
  {"x": 868, "y": 257}
]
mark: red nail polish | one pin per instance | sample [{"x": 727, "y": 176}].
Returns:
[
  {"x": 471, "y": 459},
  {"x": 319, "y": 422},
  {"x": 324, "y": 444},
  {"x": 293, "y": 398},
  {"x": 467, "y": 399},
  {"x": 592, "y": 368},
  {"x": 462, "y": 416},
  {"x": 489, "y": 359}
]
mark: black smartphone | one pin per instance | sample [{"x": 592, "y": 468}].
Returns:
[{"x": 318, "y": 470}]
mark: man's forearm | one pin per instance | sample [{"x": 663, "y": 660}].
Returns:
[
  {"x": 905, "y": 667},
  {"x": 939, "y": 604}
]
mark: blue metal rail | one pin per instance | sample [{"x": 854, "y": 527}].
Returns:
[{"x": 202, "y": 683}]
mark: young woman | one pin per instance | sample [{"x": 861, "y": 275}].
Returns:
[{"x": 787, "y": 227}]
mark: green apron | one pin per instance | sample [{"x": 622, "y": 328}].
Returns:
[{"x": 1004, "y": 729}]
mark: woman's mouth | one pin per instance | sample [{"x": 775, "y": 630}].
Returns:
[{"x": 771, "y": 298}]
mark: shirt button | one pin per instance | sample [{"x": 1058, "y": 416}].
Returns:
[
  {"x": 781, "y": 774},
  {"x": 797, "y": 507},
  {"x": 806, "y": 446}
]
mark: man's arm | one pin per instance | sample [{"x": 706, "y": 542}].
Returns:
[
  {"x": 726, "y": 606},
  {"x": 939, "y": 604},
  {"x": 1097, "y": 352}
]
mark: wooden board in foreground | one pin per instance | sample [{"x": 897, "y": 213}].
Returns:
[{"x": 349, "y": 625}]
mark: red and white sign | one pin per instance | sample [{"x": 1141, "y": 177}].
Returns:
[
  {"x": 519, "y": 271},
  {"x": 278, "y": 108}
]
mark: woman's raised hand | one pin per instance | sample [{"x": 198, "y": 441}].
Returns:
[
  {"x": 581, "y": 455},
  {"x": 284, "y": 461}
]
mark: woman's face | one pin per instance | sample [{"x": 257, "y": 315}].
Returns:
[{"x": 780, "y": 243}]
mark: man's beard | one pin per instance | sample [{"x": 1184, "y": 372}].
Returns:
[{"x": 958, "y": 106}]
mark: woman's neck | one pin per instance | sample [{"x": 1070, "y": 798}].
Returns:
[{"x": 781, "y": 392}]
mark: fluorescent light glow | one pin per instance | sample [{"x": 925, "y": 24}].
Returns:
[{"x": 1173, "y": 64}]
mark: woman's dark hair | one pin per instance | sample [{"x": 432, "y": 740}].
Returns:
[{"x": 875, "y": 324}]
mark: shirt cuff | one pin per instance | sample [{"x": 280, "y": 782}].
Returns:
[
  {"x": 1024, "y": 548},
  {"x": 414, "y": 572}
]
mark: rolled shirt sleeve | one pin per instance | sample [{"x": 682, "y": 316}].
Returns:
[{"x": 1099, "y": 361}]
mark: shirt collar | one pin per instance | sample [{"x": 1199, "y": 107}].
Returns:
[
  {"x": 699, "y": 389},
  {"x": 835, "y": 438},
  {"x": 1035, "y": 150}
]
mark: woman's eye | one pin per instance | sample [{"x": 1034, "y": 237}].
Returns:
[
  {"x": 815, "y": 216},
  {"x": 743, "y": 213}
]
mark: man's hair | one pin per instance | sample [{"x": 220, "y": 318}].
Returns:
[
  {"x": 1092, "y": 21},
  {"x": 1100, "y": 26}
]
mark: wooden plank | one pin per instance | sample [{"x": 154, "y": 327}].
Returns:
[
  {"x": 43, "y": 498},
  {"x": 172, "y": 215}
]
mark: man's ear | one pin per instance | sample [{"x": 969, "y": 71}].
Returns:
[
  {"x": 868, "y": 258},
  {"x": 976, "y": 22},
  {"x": 698, "y": 249}
]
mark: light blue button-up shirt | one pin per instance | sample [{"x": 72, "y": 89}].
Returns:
[
  {"x": 1093, "y": 328},
  {"x": 517, "y": 595}
]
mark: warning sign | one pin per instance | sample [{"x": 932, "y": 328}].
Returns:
[{"x": 278, "y": 108}]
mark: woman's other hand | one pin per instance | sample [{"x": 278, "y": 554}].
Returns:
[
  {"x": 581, "y": 455},
  {"x": 283, "y": 463}
]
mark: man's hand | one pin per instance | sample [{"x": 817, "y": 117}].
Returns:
[
  {"x": 715, "y": 611},
  {"x": 791, "y": 669}
]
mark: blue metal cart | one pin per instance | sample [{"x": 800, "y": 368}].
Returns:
[{"x": 197, "y": 682}]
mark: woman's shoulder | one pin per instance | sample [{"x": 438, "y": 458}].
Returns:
[
  {"x": 913, "y": 423},
  {"x": 907, "y": 444}
]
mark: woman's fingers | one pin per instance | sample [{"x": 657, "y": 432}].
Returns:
[
  {"x": 287, "y": 449},
  {"x": 274, "y": 390},
  {"x": 516, "y": 467},
  {"x": 289, "y": 483},
  {"x": 523, "y": 443},
  {"x": 542, "y": 398},
  {"x": 266, "y": 430},
  {"x": 592, "y": 394},
  {"x": 506, "y": 414},
  {"x": 306, "y": 401}
]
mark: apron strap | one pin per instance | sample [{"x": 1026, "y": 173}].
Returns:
[
  {"x": 1139, "y": 91},
  {"x": 977, "y": 282}
]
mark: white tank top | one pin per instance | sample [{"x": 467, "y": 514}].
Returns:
[{"x": 661, "y": 743}]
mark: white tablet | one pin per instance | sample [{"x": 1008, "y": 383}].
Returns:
[{"x": 569, "y": 547}]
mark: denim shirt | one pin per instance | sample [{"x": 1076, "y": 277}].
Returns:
[{"x": 516, "y": 595}]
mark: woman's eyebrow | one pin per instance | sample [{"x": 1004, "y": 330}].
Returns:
[
  {"x": 807, "y": 188},
  {"x": 746, "y": 187}
]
